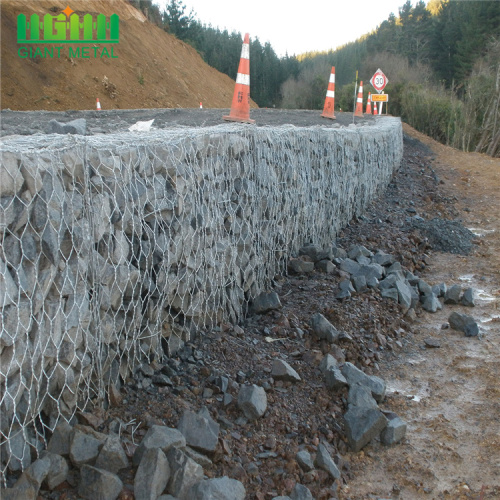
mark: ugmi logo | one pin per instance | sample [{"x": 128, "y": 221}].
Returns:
[
  {"x": 66, "y": 28},
  {"x": 55, "y": 29}
]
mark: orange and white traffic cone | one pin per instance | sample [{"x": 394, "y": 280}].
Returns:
[
  {"x": 329, "y": 108},
  {"x": 201, "y": 105},
  {"x": 375, "y": 113},
  {"x": 359, "y": 101},
  {"x": 98, "y": 104},
  {"x": 240, "y": 107},
  {"x": 369, "y": 104}
]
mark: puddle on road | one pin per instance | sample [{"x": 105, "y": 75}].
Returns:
[
  {"x": 394, "y": 387},
  {"x": 479, "y": 292},
  {"x": 477, "y": 231}
]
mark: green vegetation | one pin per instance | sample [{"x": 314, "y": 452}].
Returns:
[{"x": 442, "y": 60}]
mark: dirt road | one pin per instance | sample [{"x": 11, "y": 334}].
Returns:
[{"x": 450, "y": 396}]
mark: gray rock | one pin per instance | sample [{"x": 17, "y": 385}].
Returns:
[
  {"x": 282, "y": 497},
  {"x": 388, "y": 282},
  {"x": 390, "y": 293},
  {"x": 359, "y": 283},
  {"x": 350, "y": 266},
  {"x": 200, "y": 430},
  {"x": 346, "y": 286},
  {"x": 299, "y": 266},
  {"x": 363, "y": 261},
  {"x": 323, "y": 329},
  {"x": 112, "y": 457},
  {"x": 78, "y": 126},
  {"x": 84, "y": 448},
  {"x": 167, "y": 497},
  {"x": 281, "y": 370},
  {"x": 363, "y": 425},
  {"x": 26, "y": 492},
  {"x": 184, "y": 473},
  {"x": 334, "y": 379},
  {"x": 152, "y": 475},
  {"x": 464, "y": 323},
  {"x": 34, "y": 475},
  {"x": 431, "y": 303},
  {"x": 354, "y": 375},
  {"x": 452, "y": 295},
  {"x": 371, "y": 271},
  {"x": 325, "y": 462},
  {"x": 415, "y": 297},
  {"x": 316, "y": 253},
  {"x": 338, "y": 253},
  {"x": 221, "y": 488},
  {"x": 98, "y": 484},
  {"x": 304, "y": 460},
  {"x": 11, "y": 179},
  {"x": 301, "y": 492},
  {"x": 361, "y": 396},
  {"x": 199, "y": 458},
  {"x": 383, "y": 259},
  {"x": 439, "y": 290},
  {"x": 58, "y": 471},
  {"x": 252, "y": 401},
  {"x": 411, "y": 278},
  {"x": 343, "y": 294},
  {"x": 159, "y": 436},
  {"x": 325, "y": 266},
  {"x": 356, "y": 251},
  {"x": 404, "y": 294},
  {"x": 468, "y": 298},
  {"x": 372, "y": 282},
  {"x": 395, "y": 430},
  {"x": 432, "y": 342},
  {"x": 8, "y": 287},
  {"x": 265, "y": 302},
  {"x": 328, "y": 362},
  {"x": 60, "y": 441},
  {"x": 395, "y": 268},
  {"x": 424, "y": 288}
]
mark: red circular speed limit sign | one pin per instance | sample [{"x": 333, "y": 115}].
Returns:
[{"x": 379, "y": 81}]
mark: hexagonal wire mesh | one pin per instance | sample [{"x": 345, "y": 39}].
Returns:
[{"x": 114, "y": 250}]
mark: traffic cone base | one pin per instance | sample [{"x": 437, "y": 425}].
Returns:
[
  {"x": 240, "y": 107},
  {"x": 369, "y": 104},
  {"x": 329, "y": 108},
  {"x": 359, "y": 101}
]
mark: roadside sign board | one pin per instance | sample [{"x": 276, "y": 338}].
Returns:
[
  {"x": 379, "y": 81},
  {"x": 380, "y": 97}
]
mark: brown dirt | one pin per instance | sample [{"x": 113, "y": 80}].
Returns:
[
  {"x": 448, "y": 396},
  {"x": 172, "y": 73}
]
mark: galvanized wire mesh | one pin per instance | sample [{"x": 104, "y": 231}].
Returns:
[{"x": 116, "y": 249}]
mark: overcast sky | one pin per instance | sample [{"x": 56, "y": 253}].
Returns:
[{"x": 295, "y": 27}]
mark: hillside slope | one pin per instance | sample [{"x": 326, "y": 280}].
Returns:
[{"x": 152, "y": 69}]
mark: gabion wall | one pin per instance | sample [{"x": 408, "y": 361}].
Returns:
[{"x": 115, "y": 249}]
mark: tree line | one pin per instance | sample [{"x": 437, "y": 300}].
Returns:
[{"x": 442, "y": 61}]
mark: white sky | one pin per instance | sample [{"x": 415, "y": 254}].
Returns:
[{"x": 295, "y": 27}]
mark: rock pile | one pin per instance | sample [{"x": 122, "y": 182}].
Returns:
[
  {"x": 361, "y": 269},
  {"x": 166, "y": 462}
]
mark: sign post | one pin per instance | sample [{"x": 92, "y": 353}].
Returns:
[{"x": 378, "y": 82}]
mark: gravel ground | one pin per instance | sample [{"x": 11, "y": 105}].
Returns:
[{"x": 109, "y": 121}]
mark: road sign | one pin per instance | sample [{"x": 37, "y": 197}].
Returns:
[
  {"x": 379, "y": 81},
  {"x": 380, "y": 98}
]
